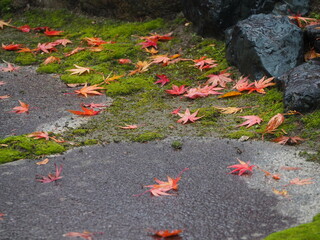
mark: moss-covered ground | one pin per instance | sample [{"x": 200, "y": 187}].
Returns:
[
  {"x": 308, "y": 231},
  {"x": 137, "y": 100}
]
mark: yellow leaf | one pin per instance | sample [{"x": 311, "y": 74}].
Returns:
[
  {"x": 229, "y": 110},
  {"x": 43, "y": 162},
  {"x": 282, "y": 192},
  {"x": 79, "y": 70},
  {"x": 230, "y": 94}
]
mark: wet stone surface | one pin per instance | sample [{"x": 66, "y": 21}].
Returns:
[
  {"x": 47, "y": 99},
  {"x": 98, "y": 184}
]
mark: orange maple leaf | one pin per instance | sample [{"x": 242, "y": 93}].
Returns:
[
  {"x": 140, "y": 67},
  {"x": 243, "y": 167},
  {"x": 85, "y": 235},
  {"x": 219, "y": 79},
  {"x": 52, "y": 33},
  {"x": 288, "y": 140},
  {"x": 89, "y": 90},
  {"x": 243, "y": 84},
  {"x": 204, "y": 63},
  {"x": 74, "y": 51},
  {"x": 51, "y": 59},
  {"x": 274, "y": 123},
  {"x": 86, "y": 112},
  {"x": 39, "y": 135},
  {"x": 167, "y": 233},
  {"x": 4, "y": 96},
  {"x": 43, "y": 162},
  {"x": 93, "y": 41},
  {"x": 23, "y": 108},
  {"x": 12, "y": 47},
  {"x": 261, "y": 84},
  {"x": 134, "y": 126}
]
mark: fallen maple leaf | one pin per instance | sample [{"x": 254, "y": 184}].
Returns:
[
  {"x": 151, "y": 50},
  {"x": 93, "y": 41},
  {"x": 274, "y": 123},
  {"x": 24, "y": 28},
  {"x": 288, "y": 140},
  {"x": 74, "y": 51},
  {"x": 199, "y": 92},
  {"x": 243, "y": 84},
  {"x": 282, "y": 192},
  {"x": 95, "y": 105},
  {"x": 242, "y": 168},
  {"x": 43, "y": 162},
  {"x": 62, "y": 42},
  {"x": 311, "y": 54},
  {"x": 51, "y": 59},
  {"x": 23, "y": 108},
  {"x": 162, "y": 79},
  {"x": 9, "y": 68},
  {"x": 298, "y": 181},
  {"x": 39, "y": 135},
  {"x": 89, "y": 90},
  {"x": 140, "y": 67},
  {"x": 176, "y": 111},
  {"x": 129, "y": 126},
  {"x": 124, "y": 61},
  {"x": 261, "y": 84},
  {"x": 230, "y": 94},
  {"x": 113, "y": 78},
  {"x": 3, "y": 23},
  {"x": 149, "y": 43},
  {"x": 52, "y": 33},
  {"x": 2, "y": 83},
  {"x": 251, "y": 120},
  {"x": 163, "y": 187},
  {"x": 46, "y": 47},
  {"x": 86, "y": 112},
  {"x": 229, "y": 110},
  {"x": 219, "y": 79},
  {"x": 164, "y": 59},
  {"x": 85, "y": 235},
  {"x": 4, "y": 96},
  {"x": 79, "y": 70},
  {"x": 204, "y": 63},
  {"x": 167, "y": 233},
  {"x": 301, "y": 21},
  {"x": 188, "y": 117},
  {"x": 51, "y": 177},
  {"x": 177, "y": 90},
  {"x": 12, "y": 47},
  {"x": 23, "y": 50}
]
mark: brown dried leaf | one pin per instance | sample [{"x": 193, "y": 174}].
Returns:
[
  {"x": 229, "y": 110},
  {"x": 274, "y": 123},
  {"x": 43, "y": 162}
]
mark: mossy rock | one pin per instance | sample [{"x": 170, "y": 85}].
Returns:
[
  {"x": 308, "y": 231},
  {"x": 18, "y": 147}
]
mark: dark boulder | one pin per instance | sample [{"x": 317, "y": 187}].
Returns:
[
  {"x": 301, "y": 87},
  {"x": 265, "y": 45},
  {"x": 312, "y": 33},
  {"x": 121, "y": 9},
  {"x": 212, "y": 17}
]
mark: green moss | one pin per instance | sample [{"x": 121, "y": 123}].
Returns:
[
  {"x": 23, "y": 147},
  {"x": 90, "y": 142},
  {"x": 177, "y": 145},
  {"x": 148, "y": 136},
  {"x": 5, "y": 6},
  {"x": 240, "y": 133},
  {"x": 130, "y": 85},
  {"x": 26, "y": 59},
  {"x": 209, "y": 114},
  {"x": 80, "y": 132},
  {"x": 312, "y": 120},
  {"x": 308, "y": 231},
  {"x": 50, "y": 68}
]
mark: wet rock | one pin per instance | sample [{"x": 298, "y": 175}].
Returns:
[
  {"x": 312, "y": 33},
  {"x": 212, "y": 17},
  {"x": 301, "y": 87},
  {"x": 265, "y": 44}
]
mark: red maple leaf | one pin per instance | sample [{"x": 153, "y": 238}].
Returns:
[
  {"x": 12, "y": 47},
  {"x": 188, "y": 117},
  {"x": 251, "y": 120},
  {"x": 62, "y": 42},
  {"x": 177, "y": 90},
  {"x": 52, "y": 33},
  {"x": 149, "y": 43},
  {"x": 241, "y": 168},
  {"x": 124, "y": 61},
  {"x": 39, "y": 135},
  {"x": 46, "y": 47},
  {"x": 288, "y": 140},
  {"x": 23, "y": 108},
  {"x": 176, "y": 111},
  {"x": 167, "y": 233},
  {"x": 24, "y": 28},
  {"x": 51, "y": 177},
  {"x": 204, "y": 63},
  {"x": 86, "y": 112},
  {"x": 199, "y": 92},
  {"x": 162, "y": 79},
  {"x": 9, "y": 68},
  {"x": 219, "y": 79}
]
